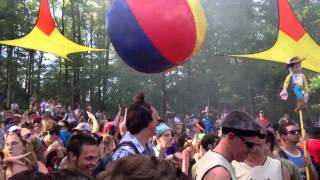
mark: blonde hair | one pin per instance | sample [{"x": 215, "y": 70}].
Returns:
[
  {"x": 107, "y": 140},
  {"x": 29, "y": 160},
  {"x": 46, "y": 126}
]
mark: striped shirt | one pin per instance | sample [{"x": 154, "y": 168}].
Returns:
[{"x": 128, "y": 150}]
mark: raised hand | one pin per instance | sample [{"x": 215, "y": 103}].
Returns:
[
  {"x": 284, "y": 95},
  {"x": 16, "y": 159}
]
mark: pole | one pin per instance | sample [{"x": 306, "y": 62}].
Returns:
[{"x": 304, "y": 143}]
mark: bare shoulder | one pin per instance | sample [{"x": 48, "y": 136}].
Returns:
[
  {"x": 185, "y": 152},
  {"x": 217, "y": 173},
  {"x": 42, "y": 167}
]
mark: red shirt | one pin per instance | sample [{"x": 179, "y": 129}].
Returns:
[
  {"x": 264, "y": 121},
  {"x": 314, "y": 150},
  {"x": 107, "y": 126}
]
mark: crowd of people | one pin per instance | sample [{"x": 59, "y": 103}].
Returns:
[{"x": 49, "y": 141}]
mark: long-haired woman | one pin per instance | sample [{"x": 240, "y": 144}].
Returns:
[{"x": 19, "y": 154}]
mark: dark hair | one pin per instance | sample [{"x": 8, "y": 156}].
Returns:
[
  {"x": 240, "y": 120},
  {"x": 97, "y": 137},
  {"x": 29, "y": 174},
  {"x": 140, "y": 167},
  {"x": 207, "y": 140},
  {"x": 139, "y": 115},
  {"x": 7, "y": 121},
  {"x": 77, "y": 141},
  {"x": 112, "y": 131},
  {"x": 28, "y": 125},
  {"x": 57, "y": 117},
  {"x": 315, "y": 132},
  {"x": 275, "y": 126},
  {"x": 55, "y": 130},
  {"x": 2, "y": 155},
  {"x": 270, "y": 138},
  {"x": 75, "y": 105},
  {"x": 161, "y": 121},
  {"x": 182, "y": 139},
  {"x": 67, "y": 174},
  {"x": 50, "y": 159},
  {"x": 67, "y": 125},
  {"x": 31, "y": 113},
  {"x": 15, "y": 111},
  {"x": 282, "y": 129}
]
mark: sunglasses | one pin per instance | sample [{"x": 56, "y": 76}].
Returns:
[
  {"x": 247, "y": 143},
  {"x": 294, "y": 132}
]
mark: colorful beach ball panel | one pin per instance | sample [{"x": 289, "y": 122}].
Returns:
[{"x": 153, "y": 36}]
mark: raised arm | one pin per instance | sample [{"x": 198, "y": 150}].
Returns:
[
  {"x": 117, "y": 118},
  {"x": 95, "y": 124}
]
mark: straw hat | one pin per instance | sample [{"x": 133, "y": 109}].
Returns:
[{"x": 295, "y": 59}]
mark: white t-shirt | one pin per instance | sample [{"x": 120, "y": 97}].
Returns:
[{"x": 270, "y": 170}]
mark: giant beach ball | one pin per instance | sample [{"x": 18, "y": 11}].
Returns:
[{"x": 153, "y": 36}]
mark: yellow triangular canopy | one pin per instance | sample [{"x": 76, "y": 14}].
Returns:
[
  {"x": 292, "y": 41},
  {"x": 47, "y": 38}
]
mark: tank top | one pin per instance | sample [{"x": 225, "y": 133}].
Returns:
[
  {"x": 211, "y": 160},
  {"x": 270, "y": 170},
  {"x": 297, "y": 161}
]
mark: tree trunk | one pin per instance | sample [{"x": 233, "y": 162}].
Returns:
[
  {"x": 30, "y": 73},
  {"x": 164, "y": 94},
  {"x": 105, "y": 75},
  {"x": 80, "y": 93},
  {"x": 39, "y": 65},
  {"x": 66, "y": 63},
  {"x": 250, "y": 101},
  {"x": 75, "y": 82},
  {"x": 9, "y": 76},
  {"x": 27, "y": 76},
  {"x": 1, "y": 52}
]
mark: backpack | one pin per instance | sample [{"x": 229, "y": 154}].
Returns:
[{"x": 103, "y": 163}]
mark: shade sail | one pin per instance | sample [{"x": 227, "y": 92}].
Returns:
[
  {"x": 292, "y": 41},
  {"x": 47, "y": 38}
]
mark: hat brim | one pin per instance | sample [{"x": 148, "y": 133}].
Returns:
[
  {"x": 80, "y": 129},
  {"x": 76, "y": 129},
  {"x": 241, "y": 132},
  {"x": 296, "y": 61},
  {"x": 164, "y": 131}
]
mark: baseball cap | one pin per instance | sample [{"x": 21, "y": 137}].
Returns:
[
  {"x": 83, "y": 126},
  {"x": 162, "y": 128},
  {"x": 15, "y": 129},
  {"x": 240, "y": 123}
]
